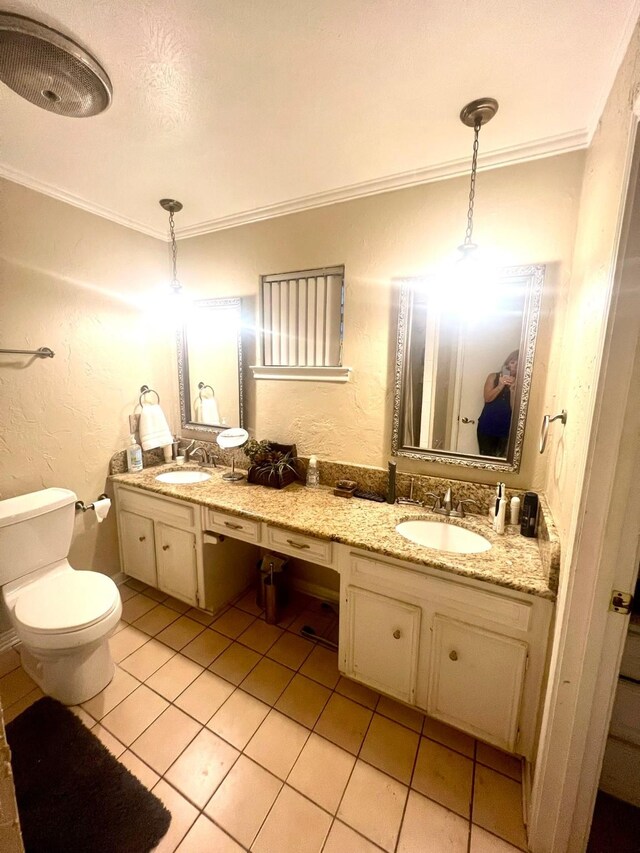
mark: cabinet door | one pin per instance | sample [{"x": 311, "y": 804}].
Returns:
[
  {"x": 382, "y": 642},
  {"x": 177, "y": 569},
  {"x": 475, "y": 680},
  {"x": 138, "y": 550}
]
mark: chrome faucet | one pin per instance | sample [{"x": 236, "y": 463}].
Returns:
[
  {"x": 444, "y": 506},
  {"x": 208, "y": 459},
  {"x": 459, "y": 512}
]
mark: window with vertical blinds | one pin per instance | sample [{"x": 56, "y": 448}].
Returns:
[{"x": 302, "y": 324}]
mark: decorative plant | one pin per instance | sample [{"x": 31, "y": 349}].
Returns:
[{"x": 268, "y": 461}]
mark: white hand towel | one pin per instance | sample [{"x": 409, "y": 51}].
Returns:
[
  {"x": 154, "y": 429},
  {"x": 207, "y": 411}
]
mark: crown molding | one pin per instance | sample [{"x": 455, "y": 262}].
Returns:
[
  {"x": 76, "y": 201},
  {"x": 536, "y": 150}
]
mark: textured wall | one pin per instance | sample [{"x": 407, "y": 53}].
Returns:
[
  {"x": 84, "y": 287},
  {"x": 525, "y": 214},
  {"x": 583, "y": 309}
]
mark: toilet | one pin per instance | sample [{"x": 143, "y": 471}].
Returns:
[{"x": 63, "y": 617}]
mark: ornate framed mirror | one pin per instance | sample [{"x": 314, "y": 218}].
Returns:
[
  {"x": 464, "y": 362},
  {"x": 210, "y": 366}
]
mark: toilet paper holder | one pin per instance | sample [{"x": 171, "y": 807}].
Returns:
[{"x": 81, "y": 506}]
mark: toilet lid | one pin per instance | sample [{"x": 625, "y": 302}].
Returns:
[{"x": 66, "y": 602}]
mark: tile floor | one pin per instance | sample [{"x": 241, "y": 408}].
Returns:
[{"x": 252, "y": 739}]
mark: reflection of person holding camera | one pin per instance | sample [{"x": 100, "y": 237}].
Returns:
[{"x": 495, "y": 421}]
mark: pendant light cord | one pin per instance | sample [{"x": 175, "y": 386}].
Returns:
[
  {"x": 472, "y": 187},
  {"x": 175, "y": 284}
]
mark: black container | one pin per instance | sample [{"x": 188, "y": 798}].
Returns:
[{"x": 529, "y": 514}]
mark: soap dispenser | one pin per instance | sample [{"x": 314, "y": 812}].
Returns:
[
  {"x": 313, "y": 475},
  {"x": 134, "y": 455}
]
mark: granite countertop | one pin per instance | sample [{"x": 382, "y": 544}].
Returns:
[{"x": 513, "y": 561}]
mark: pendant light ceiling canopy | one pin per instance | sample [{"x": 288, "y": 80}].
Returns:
[
  {"x": 475, "y": 114},
  {"x": 173, "y": 206}
]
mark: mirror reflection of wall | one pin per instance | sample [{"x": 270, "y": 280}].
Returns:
[
  {"x": 461, "y": 377},
  {"x": 211, "y": 364}
]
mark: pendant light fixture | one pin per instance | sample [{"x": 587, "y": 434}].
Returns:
[
  {"x": 173, "y": 206},
  {"x": 475, "y": 114}
]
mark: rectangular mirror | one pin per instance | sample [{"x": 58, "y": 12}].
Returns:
[
  {"x": 464, "y": 360},
  {"x": 210, "y": 366}
]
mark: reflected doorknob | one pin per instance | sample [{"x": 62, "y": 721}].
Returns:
[
  {"x": 453, "y": 655},
  {"x": 467, "y": 421},
  {"x": 165, "y": 547},
  {"x": 397, "y": 634}
]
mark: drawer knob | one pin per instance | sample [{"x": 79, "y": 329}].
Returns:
[
  {"x": 297, "y": 544},
  {"x": 165, "y": 547},
  {"x": 453, "y": 655},
  {"x": 141, "y": 538},
  {"x": 397, "y": 634}
]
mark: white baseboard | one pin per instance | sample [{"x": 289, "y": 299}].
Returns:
[
  {"x": 8, "y": 639},
  {"x": 315, "y": 590}
]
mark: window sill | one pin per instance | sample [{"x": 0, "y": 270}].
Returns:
[{"x": 309, "y": 374}]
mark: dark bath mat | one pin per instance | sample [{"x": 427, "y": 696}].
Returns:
[{"x": 73, "y": 795}]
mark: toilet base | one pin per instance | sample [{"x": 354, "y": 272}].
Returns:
[{"x": 71, "y": 676}]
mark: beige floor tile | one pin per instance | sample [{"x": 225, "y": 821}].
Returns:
[
  {"x": 206, "y": 647},
  {"x": 248, "y": 603},
  {"x": 202, "y": 616},
  {"x": 176, "y": 604},
  {"x": 498, "y": 760},
  {"x": 429, "y": 826},
  {"x": 303, "y": 700},
  {"x": 400, "y": 713},
  {"x": 156, "y": 620},
  {"x": 121, "y": 685},
  {"x": 126, "y": 592},
  {"x": 107, "y": 739},
  {"x": 294, "y": 825},
  {"x": 322, "y": 772},
  {"x": 358, "y": 692},
  {"x": 147, "y": 659},
  {"x": 14, "y": 685},
  {"x": 119, "y": 627},
  {"x": 444, "y": 776},
  {"x": 156, "y": 594},
  {"x": 204, "y": 696},
  {"x": 238, "y": 719},
  {"x": 233, "y": 622},
  {"x": 497, "y": 806},
  {"x": 82, "y": 715},
  {"x": 243, "y": 800},
  {"x": 454, "y": 739},
  {"x": 484, "y": 842},
  {"x": 373, "y": 805},
  {"x": 344, "y": 723},
  {"x": 174, "y": 677},
  {"x": 322, "y": 666},
  {"x": 136, "y": 606},
  {"x": 164, "y": 740},
  {"x": 391, "y": 748},
  {"x": 144, "y": 774},
  {"x": 290, "y": 650},
  {"x": 277, "y": 744},
  {"x": 198, "y": 771},
  {"x": 235, "y": 663},
  {"x": 259, "y": 636},
  {"x": 343, "y": 839},
  {"x": 205, "y": 837},
  {"x": 135, "y": 584},
  {"x": 183, "y": 816},
  {"x": 267, "y": 680},
  {"x": 131, "y": 717},
  {"x": 22, "y": 704},
  {"x": 320, "y": 622},
  {"x": 9, "y": 660},
  {"x": 179, "y": 633},
  {"x": 126, "y": 642}
]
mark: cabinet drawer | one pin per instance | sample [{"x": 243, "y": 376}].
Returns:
[
  {"x": 181, "y": 514},
  {"x": 232, "y": 525},
  {"x": 297, "y": 545}
]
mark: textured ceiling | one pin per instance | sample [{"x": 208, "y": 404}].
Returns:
[{"x": 247, "y": 108}]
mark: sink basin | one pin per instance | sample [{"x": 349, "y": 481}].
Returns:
[
  {"x": 182, "y": 478},
  {"x": 443, "y": 537}
]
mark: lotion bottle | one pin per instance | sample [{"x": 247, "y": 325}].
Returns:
[
  {"x": 134, "y": 455},
  {"x": 313, "y": 475},
  {"x": 515, "y": 510}
]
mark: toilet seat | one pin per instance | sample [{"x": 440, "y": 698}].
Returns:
[{"x": 65, "y": 603}]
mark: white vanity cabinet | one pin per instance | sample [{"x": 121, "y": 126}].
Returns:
[
  {"x": 468, "y": 653},
  {"x": 160, "y": 542}
]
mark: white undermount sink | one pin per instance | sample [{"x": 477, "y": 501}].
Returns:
[
  {"x": 443, "y": 537},
  {"x": 182, "y": 478}
]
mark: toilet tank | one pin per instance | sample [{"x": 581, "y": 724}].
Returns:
[{"x": 35, "y": 531}]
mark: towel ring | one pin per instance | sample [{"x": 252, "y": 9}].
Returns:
[
  {"x": 202, "y": 387},
  {"x": 546, "y": 421},
  {"x": 146, "y": 390}
]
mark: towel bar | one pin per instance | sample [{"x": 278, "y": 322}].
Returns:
[
  {"x": 42, "y": 352},
  {"x": 202, "y": 387},
  {"x": 81, "y": 506},
  {"x": 146, "y": 390}
]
